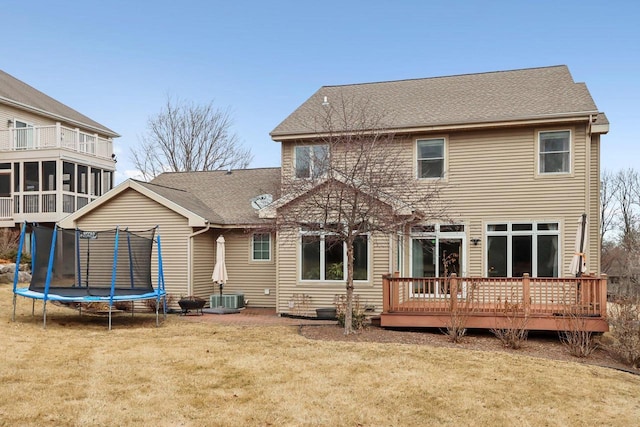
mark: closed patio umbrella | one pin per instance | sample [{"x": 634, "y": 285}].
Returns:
[
  {"x": 579, "y": 261},
  {"x": 219, "y": 275}
]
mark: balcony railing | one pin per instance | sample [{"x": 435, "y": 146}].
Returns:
[
  {"x": 6, "y": 209},
  {"x": 55, "y": 136}
]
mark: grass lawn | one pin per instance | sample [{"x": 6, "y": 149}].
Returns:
[{"x": 77, "y": 373}]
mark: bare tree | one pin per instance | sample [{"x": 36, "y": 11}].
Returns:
[
  {"x": 608, "y": 191},
  {"x": 352, "y": 180},
  {"x": 186, "y": 136}
]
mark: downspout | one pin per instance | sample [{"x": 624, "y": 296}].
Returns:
[{"x": 190, "y": 256}]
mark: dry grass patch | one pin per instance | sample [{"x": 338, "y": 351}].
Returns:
[{"x": 192, "y": 374}]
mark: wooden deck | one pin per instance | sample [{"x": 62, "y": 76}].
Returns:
[{"x": 553, "y": 304}]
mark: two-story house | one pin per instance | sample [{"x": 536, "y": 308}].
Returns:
[
  {"x": 517, "y": 156},
  {"x": 53, "y": 159},
  {"x": 515, "y": 153}
]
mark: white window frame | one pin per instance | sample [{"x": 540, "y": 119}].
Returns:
[
  {"x": 540, "y": 153},
  {"x": 322, "y": 236},
  {"x": 534, "y": 233},
  {"x": 443, "y": 158},
  {"x": 313, "y": 167},
  {"x": 253, "y": 247}
]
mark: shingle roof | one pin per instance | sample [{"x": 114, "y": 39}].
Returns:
[
  {"x": 222, "y": 197},
  {"x": 456, "y": 100},
  {"x": 16, "y": 91}
]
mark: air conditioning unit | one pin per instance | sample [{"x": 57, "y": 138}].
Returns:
[
  {"x": 233, "y": 300},
  {"x": 215, "y": 301}
]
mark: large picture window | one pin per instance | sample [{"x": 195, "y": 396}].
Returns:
[
  {"x": 555, "y": 152},
  {"x": 430, "y": 158},
  {"x": 323, "y": 258},
  {"x": 311, "y": 161},
  {"x": 514, "y": 249}
]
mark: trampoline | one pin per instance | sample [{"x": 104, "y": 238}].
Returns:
[{"x": 80, "y": 266}]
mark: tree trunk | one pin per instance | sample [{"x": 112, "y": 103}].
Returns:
[{"x": 348, "y": 315}]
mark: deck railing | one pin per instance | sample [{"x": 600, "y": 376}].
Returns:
[
  {"x": 55, "y": 136},
  {"x": 584, "y": 296}
]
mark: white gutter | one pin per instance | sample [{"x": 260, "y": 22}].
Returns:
[
  {"x": 190, "y": 256},
  {"x": 533, "y": 120}
]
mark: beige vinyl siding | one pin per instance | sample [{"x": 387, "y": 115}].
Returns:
[
  {"x": 10, "y": 113},
  {"x": 492, "y": 177},
  {"x": 203, "y": 260},
  {"x": 246, "y": 276},
  {"x": 321, "y": 294},
  {"x": 134, "y": 210}
]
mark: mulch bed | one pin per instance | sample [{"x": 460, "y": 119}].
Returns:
[{"x": 539, "y": 344}]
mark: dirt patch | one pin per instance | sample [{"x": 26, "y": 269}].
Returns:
[{"x": 545, "y": 345}]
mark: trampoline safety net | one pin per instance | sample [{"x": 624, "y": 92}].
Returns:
[{"x": 92, "y": 262}]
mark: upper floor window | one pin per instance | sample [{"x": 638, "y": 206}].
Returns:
[
  {"x": 555, "y": 152},
  {"x": 311, "y": 161},
  {"x": 430, "y": 158},
  {"x": 261, "y": 247}
]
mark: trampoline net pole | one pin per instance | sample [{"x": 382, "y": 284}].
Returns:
[{"x": 44, "y": 314}]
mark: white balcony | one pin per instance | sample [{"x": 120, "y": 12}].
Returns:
[{"x": 55, "y": 136}]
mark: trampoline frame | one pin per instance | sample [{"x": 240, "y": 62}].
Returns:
[{"x": 159, "y": 293}]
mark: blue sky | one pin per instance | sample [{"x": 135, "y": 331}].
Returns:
[{"x": 116, "y": 61}]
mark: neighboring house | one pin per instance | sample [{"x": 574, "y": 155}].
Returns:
[
  {"x": 192, "y": 210},
  {"x": 517, "y": 153},
  {"x": 53, "y": 159}
]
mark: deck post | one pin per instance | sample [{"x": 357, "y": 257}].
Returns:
[
  {"x": 453, "y": 292},
  {"x": 603, "y": 295},
  {"x": 526, "y": 292},
  {"x": 385, "y": 293}
]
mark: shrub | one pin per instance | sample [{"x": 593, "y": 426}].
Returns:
[
  {"x": 358, "y": 317},
  {"x": 624, "y": 320},
  {"x": 578, "y": 341},
  {"x": 515, "y": 332},
  {"x": 456, "y": 327},
  {"x": 151, "y": 303},
  {"x": 9, "y": 242}
]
